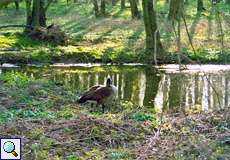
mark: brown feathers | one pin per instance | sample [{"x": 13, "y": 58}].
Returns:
[{"x": 100, "y": 94}]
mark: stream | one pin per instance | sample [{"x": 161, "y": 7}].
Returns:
[{"x": 205, "y": 87}]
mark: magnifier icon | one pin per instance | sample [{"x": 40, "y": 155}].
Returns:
[{"x": 9, "y": 147}]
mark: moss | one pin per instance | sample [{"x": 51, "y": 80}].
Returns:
[
  {"x": 40, "y": 56},
  {"x": 6, "y": 42},
  {"x": 25, "y": 96},
  {"x": 115, "y": 38},
  {"x": 47, "y": 116}
]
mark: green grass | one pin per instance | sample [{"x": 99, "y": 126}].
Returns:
[
  {"x": 28, "y": 99},
  {"x": 116, "y": 38},
  {"x": 48, "y": 117}
]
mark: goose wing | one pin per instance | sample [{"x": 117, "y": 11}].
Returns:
[
  {"x": 91, "y": 90},
  {"x": 100, "y": 94},
  {"x": 88, "y": 93}
]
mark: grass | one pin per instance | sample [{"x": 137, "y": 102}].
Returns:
[
  {"x": 117, "y": 38},
  {"x": 28, "y": 99},
  {"x": 48, "y": 118}
]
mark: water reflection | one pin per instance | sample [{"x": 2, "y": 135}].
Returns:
[{"x": 147, "y": 86}]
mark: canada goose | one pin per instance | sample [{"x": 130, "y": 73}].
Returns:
[{"x": 100, "y": 94}]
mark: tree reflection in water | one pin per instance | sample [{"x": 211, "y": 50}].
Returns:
[{"x": 146, "y": 86}]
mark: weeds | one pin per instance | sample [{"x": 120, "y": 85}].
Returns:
[{"x": 52, "y": 125}]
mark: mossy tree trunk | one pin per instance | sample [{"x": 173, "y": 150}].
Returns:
[
  {"x": 122, "y": 4},
  {"x": 96, "y": 8},
  {"x": 28, "y": 12},
  {"x": 134, "y": 9},
  {"x": 17, "y": 5},
  {"x": 175, "y": 9},
  {"x": 200, "y": 6},
  {"x": 114, "y": 2},
  {"x": 103, "y": 8},
  {"x": 153, "y": 43},
  {"x": 35, "y": 13},
  {"x": 99, "y": 10},
  {"x": 36, "y": 16},
  {"x": 175, "y": 15}
]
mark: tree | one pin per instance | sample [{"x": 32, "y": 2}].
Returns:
[
  {"x": 153, "y": 43},
  {"x": 103, "y": 5},
  {"x": 113, "y": 2},
  {"x": 134, "y": 9},
  {"x": 37, "y": 15},
  {"x": 175, "y": 10},
  {"x": 200, "y": 6},
  {"x": 102, "y": 11},
  {"x": 175, "y": 15},
  {"x": 16, "y": 5},
  {"x": 96, "y": 8},
  {"x": 122, "y": 4}
]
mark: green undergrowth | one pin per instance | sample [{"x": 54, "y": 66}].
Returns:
[
  {"x": 116, "y": 38},
  {"x": 25, "y": 97},
  {"x": 24, "y": 50},
  {"x": 19, "y": 49},
  {"x": 40, "y": 102},
  {"x": 46, "y": 115}
]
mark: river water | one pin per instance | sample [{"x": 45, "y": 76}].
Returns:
[{"x": 165, "y": 88}]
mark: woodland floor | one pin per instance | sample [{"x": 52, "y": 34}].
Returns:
[
  {"x": 50, "y": 122},
  {"x": 116, "y": 38},
  {"x": 53, "y": 126}
]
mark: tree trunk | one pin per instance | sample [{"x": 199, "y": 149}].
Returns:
[
  {"x": 38, "y": 17},
  {"x": 134, "y": 9},
  {"x": 35, "y": 13},
  {"x": 96, "y": 8},
  {"x": 114, "y": 2},
  {"x": 153, "y": 43},
  {"x": 122, "y": 4},
  {"x": 103, "y": 7},
  {"x": 17, "y": 5},
  {"x": 186, "y": 2},
  {"x": 175, "y": 9},
  {"x": 42, "y": 15},
  {"x": 28, "y": 12},
  {"x": 200, "y": 6}
]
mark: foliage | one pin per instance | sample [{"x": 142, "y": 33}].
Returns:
[
  {"x": 47, "y": 116},
  {"x": 15, "y": 79},
  {"x": 142, "y": 117},
  {"x": 115, "y": 38}
]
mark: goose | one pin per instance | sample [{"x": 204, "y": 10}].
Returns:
[{"x": 100, "y": 94}]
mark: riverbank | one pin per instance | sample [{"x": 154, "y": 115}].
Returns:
[
  {"x": 116, "y": 38},
  {"x": 51, "y": 124},
  {"x": 19, "y": 49}
]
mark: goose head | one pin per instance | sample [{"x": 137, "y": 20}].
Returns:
[{"x": 109, "y": 82}]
